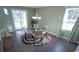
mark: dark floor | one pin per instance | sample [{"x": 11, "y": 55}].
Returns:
[{"x": 56, "y": 45}]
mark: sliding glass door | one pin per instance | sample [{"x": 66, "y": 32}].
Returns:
[{"x": 19, "y": 18}]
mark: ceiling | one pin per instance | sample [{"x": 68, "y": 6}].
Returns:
[{"x": 36, "y": 6}]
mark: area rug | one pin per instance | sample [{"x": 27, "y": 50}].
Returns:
[{"x": 46, "y": 39}]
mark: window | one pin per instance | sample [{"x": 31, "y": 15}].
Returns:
[
  {"x": 20, "y": 20},
  {"x": 70, "y": 18}
]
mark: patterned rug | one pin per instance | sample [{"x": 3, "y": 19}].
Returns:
[{"x": 47, "y": 39}]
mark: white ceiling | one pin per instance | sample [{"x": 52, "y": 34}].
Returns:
[{"x": 36, "y": 6}]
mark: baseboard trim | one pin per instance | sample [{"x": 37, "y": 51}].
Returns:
[
  {"x": 64, "y": 38},
  {"x": 52, "y": 33},
  {"x": 56, "y": 36}
]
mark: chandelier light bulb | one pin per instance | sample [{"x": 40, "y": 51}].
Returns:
[{"x": 36, "y": 17}]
